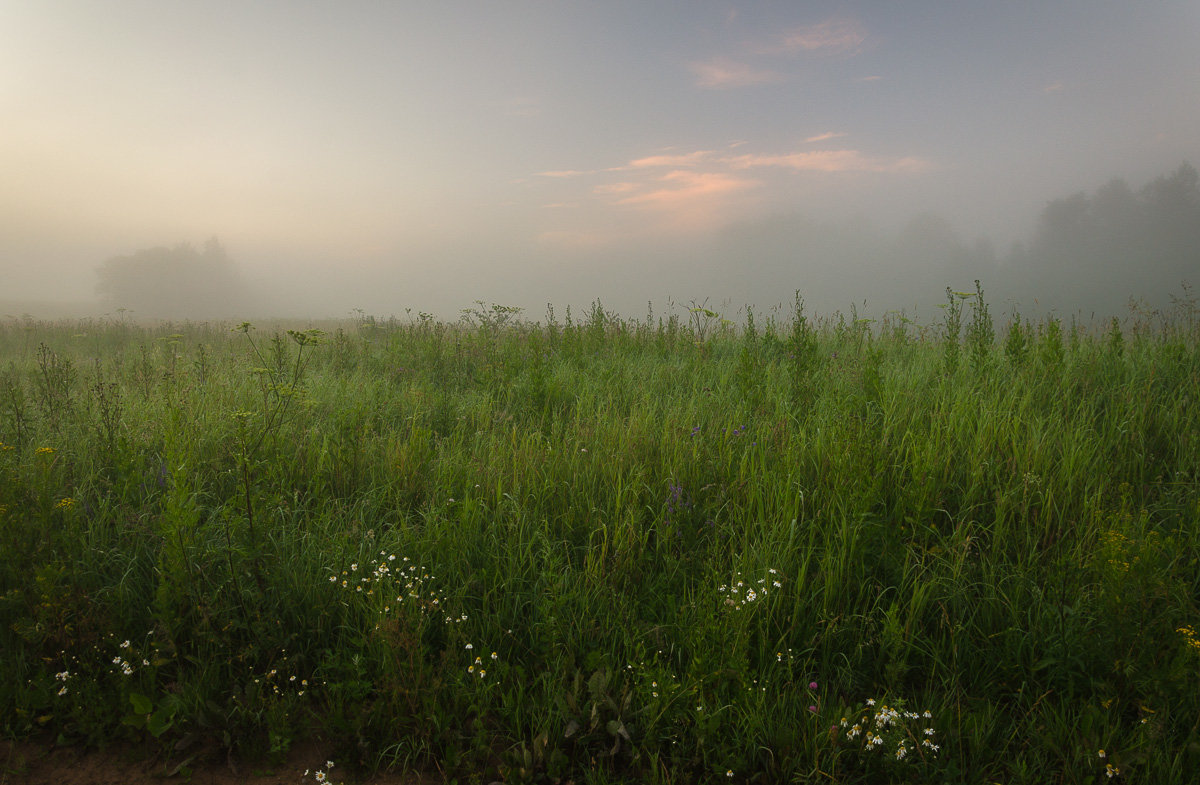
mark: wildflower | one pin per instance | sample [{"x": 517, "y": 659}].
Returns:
[
  {"x": 812, "y": 685},
  {"x": 65, "y": 504},
  {"x": 1102, "y": 755},
  {"x": 495, "y": 656},
  {"x": 870, "y": 701},
  {"x": 468, "y": 647},
  {"x": 45, "y": 450},
  {"x": 729, "y": 773},
  {"x": 1111, "y": 770},
  {"x": 813, "y": 709}
]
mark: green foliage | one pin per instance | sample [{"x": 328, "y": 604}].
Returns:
[
  {"x": 981, "y": 335},
  {"x": 951, "y": 329},
  {"x": 1050, "y": 346},
  {"x": 1016, "y": 342},
  {"x": 610, "y": 550}
]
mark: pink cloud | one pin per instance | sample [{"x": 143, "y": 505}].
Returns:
[
  {"x": 684, "y": 159},
  {"x": 833, "y": 36},
  {"x": 690, "y": 191},
  {"x": 683, "y": 186},
  {"x": 721, "y": 72}
]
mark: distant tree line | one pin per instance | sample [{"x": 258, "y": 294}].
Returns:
[
  {"x": 1089, "y": 254},
  {"x": 1096, "y": 252}
]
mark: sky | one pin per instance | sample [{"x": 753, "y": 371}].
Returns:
[{"x": 385, "y": 156}]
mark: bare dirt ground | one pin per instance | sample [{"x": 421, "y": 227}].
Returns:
[{"x": 42, "y": 763}]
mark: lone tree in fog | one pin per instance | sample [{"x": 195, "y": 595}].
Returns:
[{"x": 178, "y": 282}]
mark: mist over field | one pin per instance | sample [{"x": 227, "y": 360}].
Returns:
[{"x": 404, "y": 160}]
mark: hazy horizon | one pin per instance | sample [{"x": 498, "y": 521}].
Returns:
[{"x": 390, "y": 157}]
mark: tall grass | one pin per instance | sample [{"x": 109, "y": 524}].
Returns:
[{"x": 660, "y": 550}]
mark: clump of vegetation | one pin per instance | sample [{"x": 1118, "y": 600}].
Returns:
[{"x": 611, "y": 550}]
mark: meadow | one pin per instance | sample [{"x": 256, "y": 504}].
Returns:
[{"x": 598, "y": 549}]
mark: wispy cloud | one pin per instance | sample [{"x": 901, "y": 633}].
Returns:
[
  {"x": 1053, "y": 87},
  {"x": 830, "y": 161},
  {"x": 691, "y": 190},
  {"x": 722, "y": 73},
  {"x": 833, "y": 36},
  {"x": 836, "y": 36},
  {"x": 683, "y": 186},
  {"x": 826, "y": 135},
  {"x": 685, "y": 159}
]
